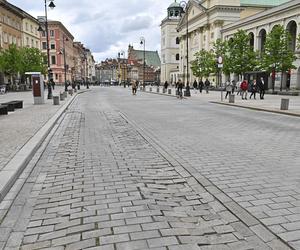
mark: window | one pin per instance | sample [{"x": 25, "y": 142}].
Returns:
[
  {"x": 52, "y": 33},
  {"x": 32, "y": 43},
  {"x": 26, "y": 26},
  {"x": 56, "y": 76},
  {"x": 31, "y": 28},
  {"x": 37, "y": 44},
  {"x": 44, "y": 45},
  {"x": 177, "y": 40},
  {"x": 177, "y": 57},
  {"x": 27, "y": 41},
  {"x": 53, "y": 60},
  {"x": 52, "y": 46}
]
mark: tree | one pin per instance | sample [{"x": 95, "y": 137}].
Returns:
[
  {"x": 220, "y": 48},
  {"x": 204, "y": 64},
  {"x": 32, "y": 60},
  {"x": 242, "y": 58},
  {"x": 10, "y": 61},
  {"x": 278, "y": 55}
]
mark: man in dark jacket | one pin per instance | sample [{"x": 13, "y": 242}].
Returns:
[
  {"x": 207, "y": 84},
  {"x": 261, "y": 86},
  {"x": 201, "y": 84}
]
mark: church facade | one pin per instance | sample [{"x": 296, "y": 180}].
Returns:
[{"x": 201, "y": 23}]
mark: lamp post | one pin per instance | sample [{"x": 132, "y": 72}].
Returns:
[
  {"x": 185, "y": 9},
  {"x": 51, "y": 6},
  {"x": 120, "y": 53},
  {"x": 65, "y": 61},
  {"x": 143, "y": 42}
]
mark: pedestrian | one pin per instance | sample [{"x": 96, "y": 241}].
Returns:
[
  {"x": 233, "y": 83},
  {"x": 244, "y": 89},
  {"x": 207, "y": 84},
  {"x": 238, "y": 87},
  {"x": 261, "y": 86},
  {"x": 228, "y": 88},
  {"x": 166, "y": 85},
  {"x": 195, "y": 85},
  {"x": 201, "y": 84},
  {"x": 179, "y": 89},
  {"x": 52, "y": 83},
  {"x": 134, "y": 86},
  {"x": 253, "y": 89}
]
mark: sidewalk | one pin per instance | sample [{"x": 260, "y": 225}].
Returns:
[
  {"x": 23, "y": 130},
  {"x": 271, "y": 103}
]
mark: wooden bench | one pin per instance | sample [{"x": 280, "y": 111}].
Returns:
[{"x": 3, "y": 109}]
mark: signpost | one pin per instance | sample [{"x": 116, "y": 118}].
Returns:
[
  {"x": 220, "y": 66},
  {"x": 37, "y": 81}
]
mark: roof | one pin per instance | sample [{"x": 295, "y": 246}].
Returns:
[
  {"x": 262, "y": 2},
  {"x": 175, "y": 4},
  {"x": 152, "y": 57}
]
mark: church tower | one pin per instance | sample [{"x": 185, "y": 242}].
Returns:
[{"x": 170, "y": 44}]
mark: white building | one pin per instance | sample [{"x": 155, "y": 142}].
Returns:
[{"x": 203, "y": 22}]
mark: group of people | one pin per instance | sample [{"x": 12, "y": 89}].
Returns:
[
  {"x": 254, "y": 87},
  {"x": 201, "y": 85}
]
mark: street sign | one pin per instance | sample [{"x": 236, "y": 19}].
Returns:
[{"x": 220, "y": 60}]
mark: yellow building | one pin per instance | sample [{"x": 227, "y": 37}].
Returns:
[
  {"x": 30, "y": 33},
  {"x": 10, "y": 25}
]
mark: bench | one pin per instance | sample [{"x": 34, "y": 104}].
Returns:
[
  {"x": 13, "y": 105},
  {"x": 3, "y": 110}
]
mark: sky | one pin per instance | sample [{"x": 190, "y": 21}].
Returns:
[{"x": 106, "y": 27}]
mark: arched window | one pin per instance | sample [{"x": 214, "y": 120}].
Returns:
[
  {"x": 262, "y": 40},
  {"x": 251, "y": 36},
  {"x": 177, "y": 40},
  {"x": 292, "y": 29}
]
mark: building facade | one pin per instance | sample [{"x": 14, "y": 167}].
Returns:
[
  {"x": 30, "y": 33},
  {"x": 259, "y": 25},
  {"x": 203, "y": 22},
  {"x": 170, "y": 44},
  {"x": 60, "y": 42}
]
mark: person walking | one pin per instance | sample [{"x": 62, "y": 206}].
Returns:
[
  {"x": 134, "y": 86},
  {"x": 261, "y": 86},
  {"x": 233, "y": 83},
  {"x": 201, "y": 84},
  {"x": 207, "y": 84},
  {"x": 195, "y": 86},
  {"x": 179, "y": 88},
  {"x": 253, "y": 89},
  {"x": 166, "y": 85},
  {"x": 228, "y": 88},
  {"x": 244, "y": 89}
]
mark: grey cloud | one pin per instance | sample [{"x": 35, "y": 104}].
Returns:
[{"x": 136, "y": 23}]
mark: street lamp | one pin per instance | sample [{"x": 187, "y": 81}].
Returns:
[
  {"x": 143, "y": 42},
  {"x": 120, "y": 76},
  {"x": 184, "y": 6},
  {"x": 65, "y": 61},
  {"x": 51, "y": 6}
]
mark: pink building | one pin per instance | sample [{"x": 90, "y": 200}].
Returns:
[{"x": 60, "y": 41}]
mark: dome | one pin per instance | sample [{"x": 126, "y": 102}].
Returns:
[{"x": 174, "y": 5}]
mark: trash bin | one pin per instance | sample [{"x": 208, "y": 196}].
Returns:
[
  {"x": 61, "y": 96},
  {"x": 150, "y": 89},
  {"x": 55, "y": 100},
  {"x": 65, "y": 94},
  {"x": 231, "y": 98},
  {"x": 284, "y": 104},
  {"x": 157, "y": 89},
  {"x": 169, "y": 91}
]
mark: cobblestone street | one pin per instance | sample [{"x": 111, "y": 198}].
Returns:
[{"x": 154, "y": 172}]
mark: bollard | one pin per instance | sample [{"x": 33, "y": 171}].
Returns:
[
  {"x": 55, "y": 100},
  {"x": 65, "y": 94},
  {"x": 157, "y": 89},
  {"x": 164, "y": 90},
  {"x": 231, "y": 98},
  {"x": 284, "y": 104},
  {"x": 71, "y": 92},
  {"x": 61, "y": 96},
  {"x": 169, "y": 91},
  {"x": 150, "y": 89}
]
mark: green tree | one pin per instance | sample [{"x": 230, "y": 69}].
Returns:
[
  {"x": 278, "y": 55},
  {"x": 10, "y": 61},
  {"x": 204, "y": 64},
  {"x": 32, "y": 60},
  {"x": 220, "y": 48},
  {"x": 242, "y": 58}
]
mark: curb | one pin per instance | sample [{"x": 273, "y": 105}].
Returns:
[
  {"x": 258, "y": 109},
  {"x": 14, "y": 168}
]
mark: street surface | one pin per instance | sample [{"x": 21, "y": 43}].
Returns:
[{"x": 156, "y": 172}]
